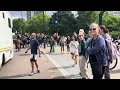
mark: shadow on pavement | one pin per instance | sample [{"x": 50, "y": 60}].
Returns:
[
  {"x": 68, "y": 77},
  {"x": 56, "y": 54},
  {"x": 14, "y": 76},
  {"x": 115, "y": 71},
  {"x": 47, "y": 53},
  {"x": 52, "y": 53},
  {"x": 24, "y": 54},
  {"x": 61, "y": 67}
]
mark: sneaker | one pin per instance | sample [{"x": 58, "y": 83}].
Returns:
[
  {"x": 38, "y": 71},
  {"x": 73, "y": 65},
  {"x": 32, "y": 72}
]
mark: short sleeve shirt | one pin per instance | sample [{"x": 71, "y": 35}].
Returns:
[
  {"x": 74, "y": 46},
  {"x": 34, "y": 44}
]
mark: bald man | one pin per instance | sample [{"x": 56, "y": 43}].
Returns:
[{"x": 34, "y": 45}]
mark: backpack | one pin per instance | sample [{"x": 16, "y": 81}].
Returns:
[{"x": 111, "y": 50}]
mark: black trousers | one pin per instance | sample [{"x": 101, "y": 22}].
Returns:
[
  {"x": 68, "y": 48},
  {"x": 97, "y": 70}
]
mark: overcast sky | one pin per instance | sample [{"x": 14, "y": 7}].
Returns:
[{"x": 17, "y": 14}]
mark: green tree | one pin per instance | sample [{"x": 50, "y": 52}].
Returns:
[
  {"x": 19, "y": 25},
  {"x": 66, "y": 23},
  {"x": 111, "y": 22},
  {"x": 85, "y": 18},
  {"x": 114, "y": 34},
  {"x": 36, "y": 24}
]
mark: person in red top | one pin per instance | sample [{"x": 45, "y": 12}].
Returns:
[{"x": 19, "y": 42}]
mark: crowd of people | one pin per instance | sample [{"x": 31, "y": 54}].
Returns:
[
  {"x": 95, "y": 48},
  {"x": 21, "y": 41}
]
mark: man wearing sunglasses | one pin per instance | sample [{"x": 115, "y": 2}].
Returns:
[{"x": 83, "y": 60}]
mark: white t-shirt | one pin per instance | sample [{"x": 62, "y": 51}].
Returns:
[{"x": 74, "y": 47}]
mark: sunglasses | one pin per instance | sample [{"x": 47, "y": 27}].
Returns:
[
  {"x": 93, "y": 29},
  {"x": 81, "y": 35}
]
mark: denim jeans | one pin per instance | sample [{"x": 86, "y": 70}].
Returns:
[
  {"x": 62, "y": 47},
  {"x": 68, "y": 48},
  {"x": 52, "y": 48},
  {"x": 97, "y": 70}
]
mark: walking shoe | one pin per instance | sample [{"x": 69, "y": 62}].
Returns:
[
  {"x": 73, "y": 65},
  {"x": 32, "y": 72},
  {"x": 38, "y": 71},
  {"x": 80, "y": 74}
]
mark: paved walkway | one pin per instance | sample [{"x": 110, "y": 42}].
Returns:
[
  {"x": 64, "y": 62},
  {"x": 19, "y": 67}
]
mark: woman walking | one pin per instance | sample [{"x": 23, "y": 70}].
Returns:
[
  {"x": 74, "y": 49},
  {"x": 62, "y": 44}
]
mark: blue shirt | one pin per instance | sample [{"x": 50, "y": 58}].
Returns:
[
  {"x": 98, "y": 49},
  {"x": 34, "y": 45}
]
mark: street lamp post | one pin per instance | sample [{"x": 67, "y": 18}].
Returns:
[
  {"x": 44, "y": 30},
  {"x": 22, "y": 22},
  {"x": 55, "y": 22},
  {"x": 100, "y": 17},
  {"x": 43, "y": 22}
]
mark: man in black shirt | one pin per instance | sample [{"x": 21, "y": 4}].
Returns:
[{"x": 34, "y": 45}]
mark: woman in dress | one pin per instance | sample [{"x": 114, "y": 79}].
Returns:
[{"x": 74, "y": 49}]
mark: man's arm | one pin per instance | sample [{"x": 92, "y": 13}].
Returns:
[
  {"x": 38, "y": 47},
  {"x": 99, "y": 44},
  {"x": 28, "y": 49}
]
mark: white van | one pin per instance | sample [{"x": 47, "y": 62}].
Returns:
[{"x": 6, "y": 40}]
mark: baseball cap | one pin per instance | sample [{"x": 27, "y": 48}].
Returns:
[{"x": 81, "y": 30}]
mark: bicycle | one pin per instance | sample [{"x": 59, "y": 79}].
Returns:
[
  {"x": 114, "y": 64},
  {"x": 115, "y": 61}
]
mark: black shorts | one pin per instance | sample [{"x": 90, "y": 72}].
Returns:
[{"x": 33, "y": 57}]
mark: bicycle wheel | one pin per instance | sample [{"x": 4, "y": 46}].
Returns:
[{"x": 113, "y": 64}]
